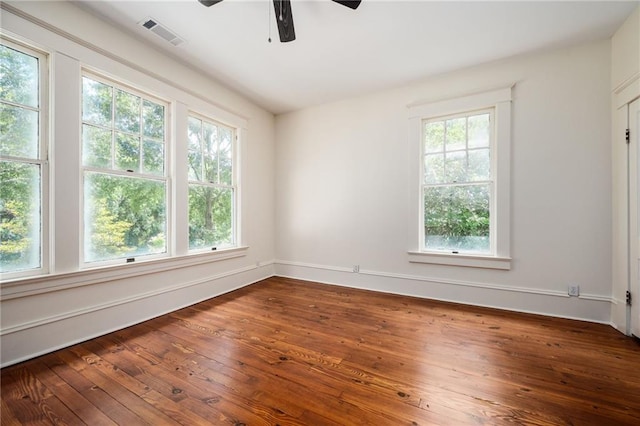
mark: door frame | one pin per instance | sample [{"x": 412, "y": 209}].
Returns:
[
  {"x": 623, "y": 97},
  {"x": 633, "y": 197}
]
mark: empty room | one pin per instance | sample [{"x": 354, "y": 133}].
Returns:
[{"x": 319, "y": 212}]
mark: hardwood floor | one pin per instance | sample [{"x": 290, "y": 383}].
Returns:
[{"x": 287, "y": 352}]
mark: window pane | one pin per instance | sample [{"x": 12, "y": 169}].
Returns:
[
  {"x": 19, "y": 77},
  {"x": 225, "y": 163},
  {"x": 434, "y": 137},
  {"x": 19, "y": 216},
  {"x": 210, "y": 153},
  {"x": 153, "y": 120},
  {"x": 210, "y": 216},
  {"x": 455, "y": 166},
  {"x": 124, "y": 217},
  {"x": 434, "y": 168},
  {"x": 195, "y": 148},
  {"x": 127, "y": 112},
  {"x": 195, "y": 134},
  {"x": 96, "y": 147},
  {"x": 96, "y": 102},
  {"x": 479, "y": 131},
  {"x": 479, "y": 165},
  {"x": 18, "y": 132},
  {"x": 456, "y": 218},
  {"x": 456, "y": 133},
  {"x": 195, "y": 165},
  {"x": 127, "y": 152},
  {"x": 153, "y": 157}
]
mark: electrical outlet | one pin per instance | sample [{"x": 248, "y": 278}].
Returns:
[
  {"x": 574, "y": 290},
  {"x": 356, "y": 268}
]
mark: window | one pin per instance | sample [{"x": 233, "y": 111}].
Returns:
[
  {"x": 124, "y": 172},
  {"x": 458, "y": 183},
  {"x": 463, "y": 184},
  {"x": 212, "y": 187},
  {"x": 23, "y": 165}
]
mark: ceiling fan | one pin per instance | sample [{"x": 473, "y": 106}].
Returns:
[{"x": 284, "y": 16}]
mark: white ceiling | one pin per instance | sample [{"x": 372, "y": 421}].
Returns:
[{"x": 341, "y": 52}]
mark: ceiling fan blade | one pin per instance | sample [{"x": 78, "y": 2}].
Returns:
[
  {"x": 284, "y": 18},
  {"x": 349, "y": 3},
  {"x": 209, "y": 3}
]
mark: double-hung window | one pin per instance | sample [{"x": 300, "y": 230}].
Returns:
[
  {"x": 212, "y": 184},
  {"x": 23, "y": 160},
  {"x": 458, "y": 183},
  {"x": 124, "y": 172},
  {"x": 463, "y": 180}
]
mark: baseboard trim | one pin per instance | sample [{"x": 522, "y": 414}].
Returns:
[
  {"x": 554, "y": 293},
  {"x": 345, "y": 277}
]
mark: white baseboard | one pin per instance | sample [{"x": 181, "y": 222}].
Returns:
[{"x": 586, "y": 307}]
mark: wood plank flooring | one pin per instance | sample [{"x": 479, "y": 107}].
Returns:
[{"x": 287, "y": 352}]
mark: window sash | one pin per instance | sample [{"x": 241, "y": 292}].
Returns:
[
  {"x": 468, "y": 243},
  {"x": 202, "y": 152},
  {"x": 200, "y": 180},
  {"x": 39, "y": 161},
  {"x": 114, "y": 131},
  {"x": 466, "y": 217},
  {"x": 211, "y": 242},
  {"x": 446, "y": 153},
  {"x": 113, "y": 227},
  {"x": 137, "y": 175}
]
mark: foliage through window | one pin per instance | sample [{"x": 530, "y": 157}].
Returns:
[
  {"x": 212, "y": 189},
  {"x": 22, "y": 159},
  {"x": 125, "y": 184},
  {"x": 458, "y": 184}
]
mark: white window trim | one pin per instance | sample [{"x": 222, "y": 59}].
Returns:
[
  {"x": 43, "y": 154},
  {"x": 500, "y": 100}
]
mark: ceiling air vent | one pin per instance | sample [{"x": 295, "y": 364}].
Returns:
[{"x": 162, "y": 31}]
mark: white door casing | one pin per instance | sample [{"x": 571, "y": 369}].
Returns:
[{"x": 634, "y": 215}]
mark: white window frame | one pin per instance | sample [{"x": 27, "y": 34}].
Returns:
[
  {"x": 234, "y": 184},
  {"x": 43, "y": 156},
  {"x": 499, "y": 101},
  {"x": 166, "y": 177}
]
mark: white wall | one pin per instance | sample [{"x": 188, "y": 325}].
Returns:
[
  {"x": 42, "y": 314},
  {"x": 342, "y": 188},
  {"x": 625, "y": 51}
]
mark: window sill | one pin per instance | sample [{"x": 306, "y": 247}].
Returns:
[
  {"x": 466, "y": 260},
  {"x": 54, "y": 282}
]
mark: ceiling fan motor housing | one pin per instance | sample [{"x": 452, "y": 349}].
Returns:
[{"x": 284, "y": 17}]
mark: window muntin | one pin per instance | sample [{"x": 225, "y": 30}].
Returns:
[
  {"x": 124, "y": 172},
  {"x": 23, "y": 165},
  {"x": 457, "y": 186},
  {"x": 212, "y": 184}
]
